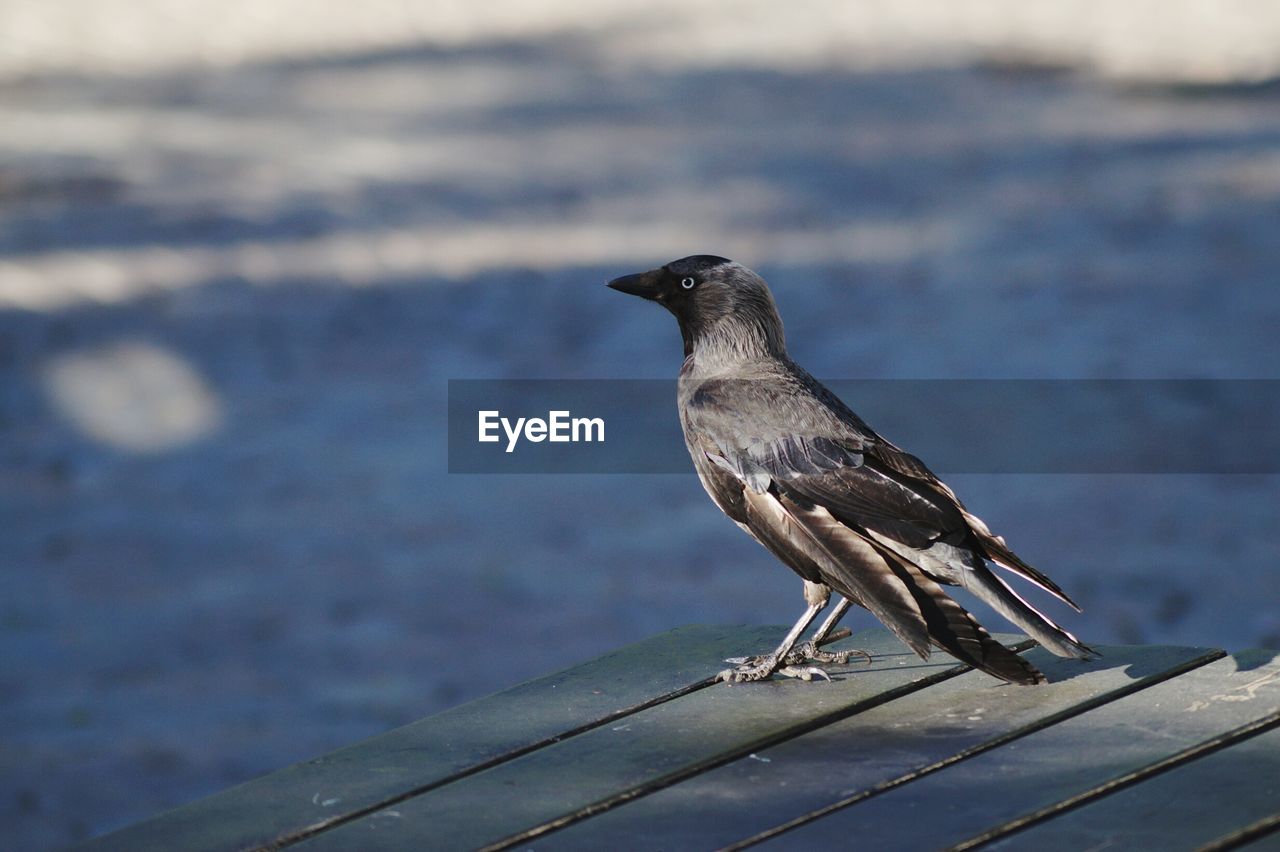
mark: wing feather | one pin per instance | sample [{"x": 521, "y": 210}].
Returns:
[
  {"x": 902, "y": 596},
  {"x": 844, "y": 560},
  {"x": 842, "y": 506}
]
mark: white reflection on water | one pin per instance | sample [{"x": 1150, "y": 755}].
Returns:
[{"x": 133, "y": 396}]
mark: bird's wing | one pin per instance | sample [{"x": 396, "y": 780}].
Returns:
[
  {"x": 814, "y": 501},
  {"x": 838, "y": 463},
  {"x": 886, "y": 458},
  {"x": 898, "y": 593},
  {"x": 769, "y": 429},
  {"x": 892, "y": 493},
  {"x": 846, "y": 561},
  {"x": 872, "y": 496}
]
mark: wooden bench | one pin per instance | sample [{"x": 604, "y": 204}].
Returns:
[{"x": 1146, "y": 748}]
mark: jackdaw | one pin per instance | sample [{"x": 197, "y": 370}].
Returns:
[{"x": 838, "y": 504}]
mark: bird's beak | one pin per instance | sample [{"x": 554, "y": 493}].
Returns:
[{"x": 642, "y": 284}]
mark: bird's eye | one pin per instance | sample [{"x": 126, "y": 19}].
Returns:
[{"x": 687, "y": 283}]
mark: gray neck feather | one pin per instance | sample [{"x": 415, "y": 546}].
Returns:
[{"x": 738, "y": 339}]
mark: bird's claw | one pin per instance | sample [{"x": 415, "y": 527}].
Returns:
[
  {"x": 755, "y": 668},
  {"x": 746, "y": 673},
  {"x": 808, "y": 653},
  {"x": 804, "y": 672},
  {"x": 759, "y": 667},
  {"x": 804, "y": 654}
]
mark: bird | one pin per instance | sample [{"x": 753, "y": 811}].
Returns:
[{"x": 838, "y": 504}]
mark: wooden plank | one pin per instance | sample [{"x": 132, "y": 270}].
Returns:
[
  {"x": 892, "y": 743},
  {"x": 1185, "y": 808},
  {"x": 372, "y": 774},
  {"x": 1262, "y": 836},
  {"x": 653, "y": 747},
  {"x": 1069, "y": 759}
]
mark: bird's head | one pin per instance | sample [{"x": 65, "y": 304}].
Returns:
[{"x": 722, "y": 306}]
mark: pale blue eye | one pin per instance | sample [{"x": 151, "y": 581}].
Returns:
[{"x": 687, "y": 283}]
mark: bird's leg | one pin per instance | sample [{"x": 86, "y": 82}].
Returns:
[
  {"x": 824, "y": 635},
  {"x": 811, "y": 651},
  {"x": 759, "y": 668}
]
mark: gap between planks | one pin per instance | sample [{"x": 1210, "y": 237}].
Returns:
[{"x": 1260, "y": 830}]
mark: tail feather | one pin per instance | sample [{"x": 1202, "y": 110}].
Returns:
[
  {"x": 996, "y": 593},
  {"x": 942, "y": 621},
  {"x": 953, "y": 629},
  {"x": 998, "y": 552},
  {"x": 901, "y": 594}
]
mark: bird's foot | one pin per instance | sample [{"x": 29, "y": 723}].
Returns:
[
  {"x": 759, "y": 668},
  {"x": 808, "y": 653}
]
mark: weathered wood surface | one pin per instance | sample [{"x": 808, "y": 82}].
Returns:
[
  {"x": 1197, "y": 803},
  {"x": 1147, "y": 747},
  {"x": 647, "y": 750},
  {"x": 1078, "y": 757},
  {"x": 308, "y": 796},
  {"x": 871, "y": 751}
]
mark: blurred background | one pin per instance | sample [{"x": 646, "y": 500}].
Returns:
[{"x": 244, "y": 245}]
